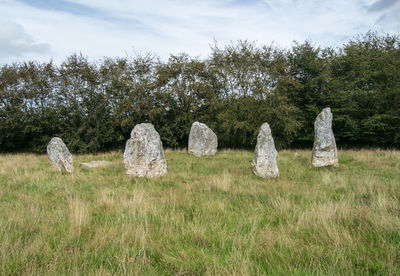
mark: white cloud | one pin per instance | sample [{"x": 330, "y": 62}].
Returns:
[
  {"x": 14, "y": 41},
  {"x": 117, "y": 28},
  {"x": 389, "y": 14}
]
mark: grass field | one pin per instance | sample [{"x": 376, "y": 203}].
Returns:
[{"x": 210, "y": 215}]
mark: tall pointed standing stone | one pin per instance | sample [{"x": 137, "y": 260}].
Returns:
[
  {"x": 324, "y": 150},
  {"x": 60, "y": 157},
  {"x": 202, "y": 140},
  {"x": 144, "y": 154},
  {"x": 264, "y": 163}
]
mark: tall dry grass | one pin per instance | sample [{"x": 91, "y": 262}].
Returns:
[{"x": 209, "y": 215}]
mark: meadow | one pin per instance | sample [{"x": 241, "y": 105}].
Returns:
[{"x": 209, "y": 215}]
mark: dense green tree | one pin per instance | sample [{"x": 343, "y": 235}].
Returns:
[
  {"x": 37, "y": 85},
  {"x": 248, "y": 76},
  {"x": 93, "y": 106},
  {"x": 367, "y": 75},
  {"x": 81, "y": 105},
  {"x": 12, "y": 107},
  {"x": 129, "y": 87},
  {"x": 305, "y": 83},
  {"x": 183, "y": 90}
]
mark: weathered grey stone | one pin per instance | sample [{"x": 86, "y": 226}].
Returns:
[
  {"x": 144, "y": 155},
  {"x": 95, "y": 163},
  {"x": 202, "y": 140},
  {"x": 60, "y": 157},
  {"x": 324, "y": 150},
  {"x": 264, "y": 163}
]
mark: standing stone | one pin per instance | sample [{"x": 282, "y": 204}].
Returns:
[
  {"x": 60, "y": 157},
  {"x": 264, "y": 163},
  {"x": 324, "y": 150},
  {"x": 202, "y": 140},
  {"x": 144, "y": 155}
]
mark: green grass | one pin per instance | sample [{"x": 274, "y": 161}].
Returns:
[{"x": 210, "y": 215}]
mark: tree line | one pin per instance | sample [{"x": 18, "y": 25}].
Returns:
[{"x": 93, "y": 106}]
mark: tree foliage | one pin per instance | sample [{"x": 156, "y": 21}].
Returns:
[{"x": 93, "y": 106}]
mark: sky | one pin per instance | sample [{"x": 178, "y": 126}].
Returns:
[{"x": 54, "y": 29}]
